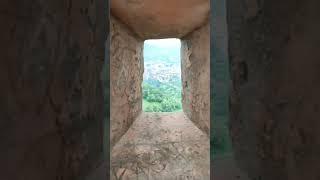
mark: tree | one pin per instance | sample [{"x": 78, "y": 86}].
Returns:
[{"x": 166, "y": 98}]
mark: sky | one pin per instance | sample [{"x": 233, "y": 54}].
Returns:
[
  {"x": 165, "y": 50},
  {"x": 168, "y": 43}
]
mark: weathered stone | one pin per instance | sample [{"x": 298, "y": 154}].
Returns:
[
  {"x": 53, "y": 123},
  {"x": 195, "y": 60},
  {"x": 162, "y": 146},
  {"x": 161, "y": 19},
  {"x": 126, "y": 78},
  {"x": 52, "y": 109},
  {"x": 143, "y": 131},
  {"x": 275, "y": 66}
]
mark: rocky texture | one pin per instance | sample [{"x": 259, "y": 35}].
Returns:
[
  {"x": 274, "y": 55},
  {"x": 51, "y": 103},
  {"x": 161, "y": 146},
  {"x": 126, "y": 74},
  {"x": 195, "y": 63},
  {"x": 127, "y": 62},
  {"x": 52, "y": 110},
  {"x": 225, "y": 168},
  {"x": 158, "y": 145},
  {"x": 161, "y": 19},
  {"x": 223, "y": 164}
]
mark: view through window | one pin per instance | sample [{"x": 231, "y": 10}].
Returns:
[{"x": 162, "y": 75}]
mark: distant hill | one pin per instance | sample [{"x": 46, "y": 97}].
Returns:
[{"x": 161, "y": 52}]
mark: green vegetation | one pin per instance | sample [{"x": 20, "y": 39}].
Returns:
[
  {"x": 164, "y": 98},
  {"x": 162, "y": 77}
]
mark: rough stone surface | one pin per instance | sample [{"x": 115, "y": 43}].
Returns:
[
  {"x": 195, "y": 60},
  {"x": 158, "y": 145},
  {"x": 51, "y": 95},
  {"x": 225, "y": 168},
  {"x": 126, "y": 74},
  {"x": 274, "y": 55},
  {"x": 51, "y": 103},
  {"x": 162, "y": 146},
  {"x": 152, "y": 19}
]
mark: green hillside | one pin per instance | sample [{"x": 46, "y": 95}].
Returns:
[{"x": 162, "y": 78}]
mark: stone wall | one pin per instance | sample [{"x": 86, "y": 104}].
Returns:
[
  {"x": 274, "y": 55},
  {"x": 195, "y": 64},
  {"x": 126, "y": 78},
  {"x": 52, "y": 110},
  {"x": 161, "y": 19}
]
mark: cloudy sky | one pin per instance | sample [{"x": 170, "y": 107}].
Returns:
[{"x": 167, "y": 43}]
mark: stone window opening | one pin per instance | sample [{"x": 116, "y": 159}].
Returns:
[
  {"x": 159, "y": 145},
  {"x": 161, "y": 86}
]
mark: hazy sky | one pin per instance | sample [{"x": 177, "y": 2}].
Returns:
[{"x": 168, "y": 43}]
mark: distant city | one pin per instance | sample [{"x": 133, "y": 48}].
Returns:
[
  {"x": 162, "y": 61},
  {"x": 162, "y": 72}
]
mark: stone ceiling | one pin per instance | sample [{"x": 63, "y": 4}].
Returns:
[{"x": 161, "y": 18}]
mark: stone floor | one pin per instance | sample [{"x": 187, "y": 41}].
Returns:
[{"x": 162, "y": 146}]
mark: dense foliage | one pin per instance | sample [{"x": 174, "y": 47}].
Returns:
[{"x": 161, "y": 98}]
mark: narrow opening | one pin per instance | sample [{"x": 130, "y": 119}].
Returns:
[{"x": 162, "y": 75}]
